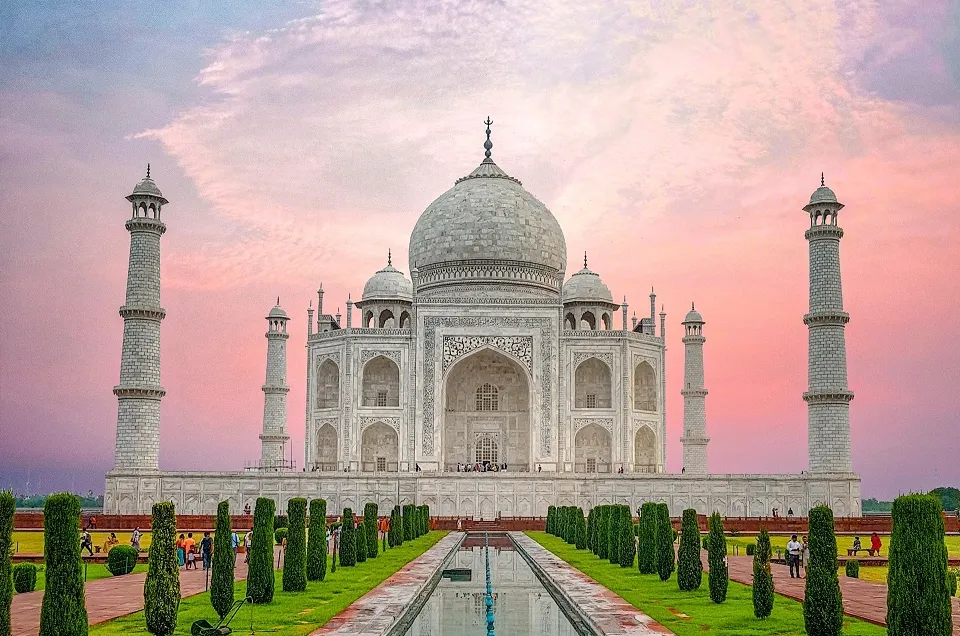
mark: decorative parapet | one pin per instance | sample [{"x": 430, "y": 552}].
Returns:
[
  {"x": 823, "y": 232},
  {"x": 828, "y": 397},
  {"x": 145, "y": 224},
  {"x": 826, "y": 318},
  {"x": 147, "y": 313},
  {"x": 142, "y": 392}
]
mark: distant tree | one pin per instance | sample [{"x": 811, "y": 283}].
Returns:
[
  {"x": 348, "y": 540},
  {"x": 949, "y": 497},
  {"x": 689, "y": 566},
  {"x": 317, "y": 541},
  {"x": 822, "y": 602},
  {"x": 918, "y": 597},
  {"x": 665, "y": 554},
  {"x": 8, "y": 507},
  {"x": 872, "y": 505},
  {"x": 763, "y": 578},
  {"x": 260, "y": 578},
  {"x": 628, "y": 540},
  {"x": 224, "y": 560},
  {"x": 647, "y": 539},
  {"x": 161, "y": 590},
  {"x": 719, "y": 577},
  {"x": 63, "y": 610},
  {"x": 370, "y": 524},
  {"x": 395, "y": 535},
  {"x": 295, "y": 558}
]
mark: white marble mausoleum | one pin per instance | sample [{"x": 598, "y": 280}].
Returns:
[{"x": 489, "y": 354}]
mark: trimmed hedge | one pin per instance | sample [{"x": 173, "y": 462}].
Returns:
[
  {"x": 317, "y": 541},
  {"x": 628, "y": 543},
  {"x": 395, "y": 535},
  {"x": 121, "y": 559},
  {"x": 63, "y": 611},
  {"x": 603, "y": 523},
  {"x": 689, "y": 566},
  {"x": 224, "y": 561},
  {"x": 260, "y": 577},
  {"x": 822, "y": 603},
  {"x": 409, "y": 527},
  {"x": 591, "y": 527},
  {"x": 370, "y": 524},
  {"x": 751, "y": 549},
  {"x": 279, "y": 534},
  {"x": 762, "y": 577},
  {"x": 8, "y": 507},
  {"x": 719, "y": 577},
  {"x": 918, "y": 596},
  {"x": 295, "y": 558},
  {"x": 348, "y": 540},
  {"x": 647, "y": 545},
  {"x": 665, "y": 532},
  {"x": 24, "y": 580},
  {"x": 613, "y": 535},
  {"x": 360, "y": 537},
  {"x": 952, "y": 582},
  {"x": 852, "y": 569},
  {"x": 581, "y": 530},
  {"x": 551, "y": 511},
  {"x": 161, "y": 590}
]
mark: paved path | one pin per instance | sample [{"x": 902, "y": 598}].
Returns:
[
  {"x": 862, "y": 599},
  {"x": 374, "y": 613},
  {"x": 106, "y": 598},
  {"x": 609, "y": 614}
]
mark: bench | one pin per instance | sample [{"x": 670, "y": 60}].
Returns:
[{"x": 852, "y": 552}]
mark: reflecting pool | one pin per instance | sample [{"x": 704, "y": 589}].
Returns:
[{"x": 521, "y": 605}]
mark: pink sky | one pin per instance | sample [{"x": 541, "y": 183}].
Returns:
[{"x": 676, "y": 145}]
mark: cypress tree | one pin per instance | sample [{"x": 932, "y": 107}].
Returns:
[
  {"x": 295, "y": 559},
  {"x": 581, "y": 529},
  {"x": 395, "y": 535},
  {"x": 317, "y": 541},
  {"x": 647, "y": 544},
  {"x": 665, "y": 554},
  {"x": 763, "y": 579},
  {"x": 408, "y": 523},
  {"x": 161, "y": 590},
  {"x": 822, "y": 602},
  {"x": 918, "y": 597},
  {"x": 613, "y": 535},
  {"x": 360, "y": 538},
  {"x": 550, "y": 511},
  {"x": 689, "y": 566},
  {"x": 370, "y": 523},
  {"x": 719, "y": 577},
  {"x": 591, "y": 526},
  {"x": 560, "y": 523},
  {"x": 224, "y": 560},
  {"x": 348, "y": 540},
  {"x": 628, "y": 540},
  {"x": 63, "y": 611},
  {"x": 571, "y": 525},
  {"x": 8, "y": 506},
  {"x": 260, "y": 582},
  {"x": 426, "y": 518},
  {"x": 603, "y": 519}
]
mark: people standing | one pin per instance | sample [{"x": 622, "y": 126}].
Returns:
[
  {"x": 793, "y": 556},
  {"x": 875, "y": 544},
  {"x": 206, "y": 550},
  {"x": 181, "y": 552},
  {"x": 804, "y": 552},
  {"x": 235, "y": 542},
  {"x": 135, "y": 539},
  {"x": 247, "y": 544},
  {"x": 188, "y": 545},
  {"x": 86, "y": 543}
]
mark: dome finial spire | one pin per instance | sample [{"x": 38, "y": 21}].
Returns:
[
  {"x": 487, "y": 145},
  {"x": 821, "y": 180},
  {"x": 278, "y": 301},
  {"x": 584, "y": 259},
  {"x": 148, "y": 171},
  {"x": 389, "y": 257}
]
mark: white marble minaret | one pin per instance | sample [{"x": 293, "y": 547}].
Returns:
[
  {"x": 827, "y": 396},
  {"x": 694, "y": 438},
  {"x": 139, "y": 392},
  {"x": 273, "y": 440}
]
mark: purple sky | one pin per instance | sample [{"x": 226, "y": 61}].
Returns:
[{"x": 676, "y": 142}]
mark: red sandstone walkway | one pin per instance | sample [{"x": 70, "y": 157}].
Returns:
[
  {"x": 107, "y": 598},
  {"x": 862, "y": 599}
]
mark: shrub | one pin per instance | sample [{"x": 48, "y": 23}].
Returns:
[
  {"x": 280, "y": 521},
  {"x": 224, "y": 560},
  {"x": 8, "y": 507},
  {"x": 279, "y": 534},
  {"x": 572, "y": 525},
  {"x": 628, "y": 541},
  {"x": 161, "y": 590},
  {"x": 952, "y": 581},
  {"x": 348, "y": 540},
  {"x": 260, "y": 578},
  {"x": 705, "y": 541},
  {"x": 591, "y": 525},
  {"x": 551, "y": 511},
  {"x": 24, "y": 578},
  {"x": 822, "y": 604},
  {"x": 408, "y": 527},
  {"x": 121, "y": 559},
  {"x": 603, "y": 522},
  {"x": 689, "y": 567},
  {"x": 295, "y": 559},
  {"x": 665, "y": 555},
  {"x": 751, "y": 549},
  {"x": 852, "y": 569},
  {"x": 676, "y": 535},
  {"x": 360, "y": 539},
  {"x": 719, "y": 576},
  {"x": 317, "y": 541},
  {"x": 613, "y": 534},
  {"x": 647, "y": 545},
  {"x": 581, "y": 529},
  {"x": 426, "y": 519},
  {"x": 63, "y": 611},
  {"x": 561, "y": 523},
  {"x": 762, "y": 577},
  {"x": 918, "y": 598},
  {"x": 395, "y": 535}
]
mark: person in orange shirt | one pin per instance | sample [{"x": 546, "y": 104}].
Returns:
[
  {"x": 181, "y": 554},
  {"x": 188, "y": 543}
]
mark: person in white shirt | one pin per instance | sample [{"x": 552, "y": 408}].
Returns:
[{"x": 794, "y": 548}]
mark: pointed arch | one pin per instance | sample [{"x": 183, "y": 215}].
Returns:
[
  {"x": 592, "y": 385},
  {"x": 569, "y": 322},
  {"x": 405, "y": 320},
  {"x": 379, "y": 448},
  {"x": 645, "y": 450},
  {"x": 588, "y": 321},
  {"x": 325, "y": 451},
  {"x": 368, "y": 320},
  {"x": 386, "y": 320},
  {"x": 606, "y": 321},
  {"x": 644, "y": 387},
  {"x": 328, "y": 385},
  {"x": 381, "y": 383},
  {"x": 592, "y": 450}
]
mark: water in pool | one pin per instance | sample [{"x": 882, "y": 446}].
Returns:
[{"x": 521, "y": 605}]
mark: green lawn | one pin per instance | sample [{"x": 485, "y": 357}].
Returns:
[
  {"x": 692, "y": 613},
  {"x": 293, "y": 613},
  {"x": 779, "y": 541},
  {"x": 94, "y": 572},
  {"x": 31, "y": 541}
]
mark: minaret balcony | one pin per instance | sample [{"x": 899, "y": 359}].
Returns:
[
  {"x": 277, "y": 335},
  {"x": 826, "y": 318},
  {"x": 694, "y": 392},
  {"x": 693, "y": 339},
  {"x": 145, "y": 224},
  {"x": 823, "y": 232},
  {"x": 147, "y": 392},
  {"x": 268, "y": 389},
  {"x": 838, "y": 396},
  {"x": 147, "y": 313}
]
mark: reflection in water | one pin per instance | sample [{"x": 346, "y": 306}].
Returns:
[{"x": 521, "y": 605}]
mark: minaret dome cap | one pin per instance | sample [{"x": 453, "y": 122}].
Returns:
[
  {"x": 693, "y": 315},
  {"x": 146, "y": 188}
]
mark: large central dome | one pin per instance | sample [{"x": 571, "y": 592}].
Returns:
[{"x": 488, "y": 229}]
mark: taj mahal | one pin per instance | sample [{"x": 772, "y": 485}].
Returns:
[{"x": 486, "y": 355}]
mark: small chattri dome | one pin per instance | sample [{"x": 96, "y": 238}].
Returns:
[
  {"x": 388, "y": 284},
  {"x": 823, "y": 194},
  {"x": 277, "y": 311},
  {"x": 693, "y": 315},
  {"x": 147, "y": 187},
  {"x": 586, "y": 286}
]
